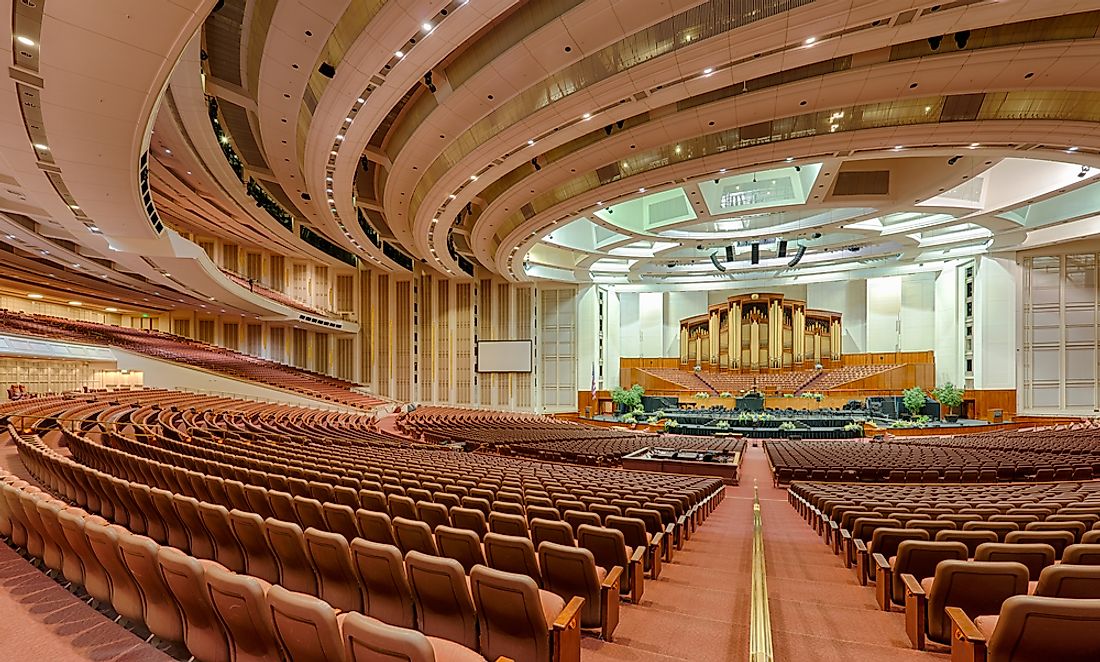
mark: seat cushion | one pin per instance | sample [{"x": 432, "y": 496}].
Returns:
[
  {"x": 601, "y": 574},
  {"x": 552, "y": 605},
  {"x": 926, "y": 585},
  {"x": 892, "y": 560},
  {"x": 449, "y": 651},
  {"x": 987, "y": 624}
]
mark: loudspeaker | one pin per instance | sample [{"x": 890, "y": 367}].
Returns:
[
  {"x": 782, "y": 248},
  {"x": 717, "y": 265},
  {"x": 756, "y": 253},
  {"x": 729, "y": 253},
  {"x": 797, "y": 256}
]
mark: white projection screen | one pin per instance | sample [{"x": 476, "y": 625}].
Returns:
[{"x": 504, "y": 356}]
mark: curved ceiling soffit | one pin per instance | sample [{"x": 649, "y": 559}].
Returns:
[{"x": 424, "y": 216}]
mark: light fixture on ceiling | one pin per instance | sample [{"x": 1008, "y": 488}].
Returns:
[
  {"x": 34, "y": 296},
  {"x": 708, "y": 71},
  {"x": 789, "y": 159},
  {"x": 167, "y": 151},
  {"x": 809, "y": 41},
  {"x": 1072, "y": 149},
  {"x": 399, "y": 54},
  {"x": 473, "y": 178},
  {"x": 40, "y": 146},
  {"x": 586, "y": 116},
  {"x": 975, "y": 145},
  {"x": 75, "y": 303},
  {"x": 641, "y": 190},
  {"x": 110, "y": 310},
  {"x": 1084, "y": 171},
  {"x": 426, "y": 27},
  {"x": 530, "y": 142}
]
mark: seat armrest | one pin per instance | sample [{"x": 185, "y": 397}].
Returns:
[
  {"x": 638, "y": 555},
  {"x": 656, "y": 539},
  {"x": 880, "y": 561},
  {"x": 504, "y": 659},
  {"x": 861, "y": 547},
  {"x": 968, "y": 643},
  {"x": 912, "y": 586},
  {"x": 964, "y": 625},
  {"x": 884, "y": 581},
  {"x": 613, "y": 578},
  {"x": 863, "y": 561},
  {"x": 569, "y": 615},
  {"x": 916, "y": 611}
]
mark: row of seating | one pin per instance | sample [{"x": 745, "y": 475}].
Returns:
[
  {"x": 903, "y": 462},
  {"x": 221, "y": 615},
  {"x": 957, "y": 558}
]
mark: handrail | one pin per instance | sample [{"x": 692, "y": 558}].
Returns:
[{"x": 760, "y": 630}]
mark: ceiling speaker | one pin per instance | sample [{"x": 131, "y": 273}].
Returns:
[
  {"x": 756, "y": 253},
  {"x": 782, "y": 248},
  {"x": 729, "y": 253}
]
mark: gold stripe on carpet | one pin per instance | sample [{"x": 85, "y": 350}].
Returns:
[{"x": 760, "y": 628}]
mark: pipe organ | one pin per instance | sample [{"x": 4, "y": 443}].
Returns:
[{"x": 761, "y": 332}]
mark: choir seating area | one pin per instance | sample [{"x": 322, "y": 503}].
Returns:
[
  {"x": 790, "y": 382},
  {"x": 176, "y": 511},
  {"x": 1005, "y": 572},
  {"x": 547, "y": 438},
  {"x": 1067, "y": 452},
  {"x": 168, "y": 347}
]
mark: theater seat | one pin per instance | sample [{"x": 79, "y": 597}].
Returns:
[
  {"x": 162, "y": 614},
  {"x": 460, "y": 545},
  {"x": 470, "y": 519},
  {"x": 240, "y": 603},
  {"x": 259, "y": 560},
  {"x": 386, "y": 592},
  {"x": 976, "y": 587},
  {"x": 572, "y": 571},
  {"x": 1082, "y": 554},
  {"x": 444, "y": 606},
  {"x": 522, "y": 623},
  {"x": 1069, "y": 581},
  {"x": 610, "y": 550},
  {"x": 331, "y": 557},
  {"x": 203, "y": 633},
  {"x": 413, "y": 535},
  {"x": 512, "y": 554},
  {"x": 1029, "y": 629},
  {"x": 306, "y": 627},
  {"x": 370, "y": 640},
  {"x": 1034, "y": 557}
]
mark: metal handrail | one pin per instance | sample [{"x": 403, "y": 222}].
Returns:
[{"x": 760, "y": 630}]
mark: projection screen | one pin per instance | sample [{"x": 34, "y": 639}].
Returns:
[{"x": 504, "y": 356}]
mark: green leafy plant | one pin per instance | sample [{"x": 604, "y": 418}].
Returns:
[
  {"x": 702, "y": 395},
  {"x": 652, "y": 420},
  {"x": 788, "y": 426},
  {"x": 854, "y": 427},
  {"x": 913, "y": 399},
  {"x": 723, "y": 424},
  {"x": 628, "y": 399},
  {"x": 628, "y": 418},
  {"x": 671, "y": 425},
  {"x": 725, "y": 394},
  {"x": 949, "y": 396},
  {"x": 639, "y": 409}
]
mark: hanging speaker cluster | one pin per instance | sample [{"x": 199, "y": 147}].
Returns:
[
  {"x": 797, "y": 256},
  {"x": 717, "y": 265},
  {"x": 755, "y": 254}
]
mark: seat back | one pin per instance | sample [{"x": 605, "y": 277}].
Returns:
[
  {"x": 240, "y": 604},
  {"x": 885, "y": 540},
  {"x": 310, "y": 513},
  {"x": 1034, "y": 556},
  {"x": 461, "y": 545},
  {"x": 1082, "y": 554},
  {"x": 512, "y": 554},
  {"x": 557, "y": 532},
  {"x": 305, "y": 627},
  {"x": 607, "y": 546},
  {"x": 370, "y": 640},
  {"x": 386, "y": 592},
  {"x": 125, "y": 596},
  {"x": 259, "y": 560},
  {"x": 513, "y": 623},
  {"x": 920, "y": 558},
  {"x": 577, "y": 517},
  {"x": 969, "y": 538},
  {"x": 227, "y": 549},
  {"x": 1043, "y": 628},
  {"x": 1069, "y": 581},
  {"x": 331, "y": 557},
  {"x": 1059, "y": 540},
  {"x": 633, "y": 530},
  {"x": 413, "y": 535},
  {"x": 571, "y": 571},
  {"x": 471, "y": 519},
  {"x": 443, "y": 604},
  {"x": 288, "y": 545},
  {"x": 203, "y": 633},
  {"x": 375, "y": 526},
  {"x": 432, "y": 514},
  {"x": 340, "y": 518},
  {"x": 976, "y": 587},
  {"x": 508, "y": 524}
]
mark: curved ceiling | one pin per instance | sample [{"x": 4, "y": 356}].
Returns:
[{"x": 594, "y": 140}]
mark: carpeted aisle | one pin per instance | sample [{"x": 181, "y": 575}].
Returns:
[{"x": 819, "y": 612}]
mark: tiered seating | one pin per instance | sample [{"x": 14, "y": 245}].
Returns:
[
  {"x": 274, "y": 295},
  {"x": 545, "y": 437},
  {"x": 836, "y": 377},
  {"x": 796, "y": 381},
  {"x": 191, "y": 352},
  {"x": 931, "y": 460},
  {"x": 269, "y": 492},
  {"x": 1006, "y": 572},
  {"x": 685, "y": 379},
  {"x": 734, "y": 382}
]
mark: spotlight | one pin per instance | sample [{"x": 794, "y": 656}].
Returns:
[
  {"x": 729, "y": 253},
  {"x": 535, "y": 162},
  {"x": 953, "y": 160},
  {"x": 620, "y": 124},
  {"x": 607, "y": 129},
  {"x": 816, "y": 235},
  {"x": 934, "y": 42},
  {"x": 798, "y": 168},
  {"x": 717, "y": 265},
  {"x": 782, "y": 248},
  {"x": 756, "y": 254},
  {"x": 326, "y": 70},
  {"x": 1084, "y": 171},
  {"x": 797, "y": 256},
  {"x": 961, "y": 39},
  {"x": 429, "y": 83}
]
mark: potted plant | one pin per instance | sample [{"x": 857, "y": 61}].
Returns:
[
  {"x": 913, "y": 399},
  {"x": 627, "y": 399},
  {"x": 951, "y": 398},
  {"x": 725, "y": 394},
  {"x": 629, "y": 419},
  {"x": 671, "y": 425},
  {"x": 702, "y": 395},
  {"x": 722, "y": 424},
  {"x": 788, "y": 426}
]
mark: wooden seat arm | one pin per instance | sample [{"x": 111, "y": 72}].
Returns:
[
  {"x": 670, "y": 528},
  {"x": 504, "y": 659},
  {"x": 912, "y": 586},
  {"x": 965, "y": 626},
  {"x": 570, "y": 616},
  {"x": 655, "y": 541},
  {"x": 638, "y": 555},
  {"x": 613, "y": 578},
  {"x": 861, "y": 547},
  {"x": 881, "y": 562}
]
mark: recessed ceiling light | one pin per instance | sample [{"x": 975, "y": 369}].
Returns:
[
  {"x": 708, "y": 70},
  {"x": 473, "y": 178},
  {"x": 427, "y": 27},
  {"x": 586, "y": 116},
  {"x": 74, "y": 206},
  {"x": 1072, "y": 149},
  {"x": 530, "y": 142},
  {"x": 34, "y": 296},
  {"x": 44, "y": 148},
  {"x": 810, "y": 40},
  {"x": 398, "y": 54},
  {"x": 789, "y": 159},
  {"x": 75, "y": 303},
  {"x": 898, "y": 148},
  {"x": 974, "y": 145},
  {"x": 26, "y": 41},
  {"x": 189, "y": 172},
  {"x": 111, "y": 310},
  {"x": 167, "y": 151},
  {"x": 641, "y": 190}
]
